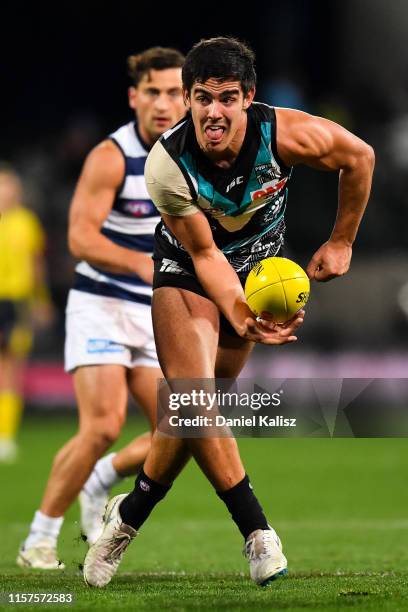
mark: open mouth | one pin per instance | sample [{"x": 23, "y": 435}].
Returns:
[
  {"x": 161, "y": 120},
  {"x": 214, "y": 133}
]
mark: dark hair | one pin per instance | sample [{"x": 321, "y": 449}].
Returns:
[
  {"x": 223, "y": 58},
  {"x": 156, "y": 58}
]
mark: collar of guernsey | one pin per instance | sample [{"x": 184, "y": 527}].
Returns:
[
  {"x": 130, "y": 223},
  {"x": 245, "y": 201}
]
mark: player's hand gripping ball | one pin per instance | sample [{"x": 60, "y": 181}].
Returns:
[{"x": 278, "y": 286}]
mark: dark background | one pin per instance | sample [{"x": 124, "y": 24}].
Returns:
[{"x": 63, "y": 88}]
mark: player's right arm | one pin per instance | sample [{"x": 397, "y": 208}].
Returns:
[{"x": 101, "y": 176}]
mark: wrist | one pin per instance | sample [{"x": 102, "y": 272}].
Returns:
[
  {"x": 339, "y": 240},
  {"x": 137, "y": 260},
  {"x": 240, "y": 313}
]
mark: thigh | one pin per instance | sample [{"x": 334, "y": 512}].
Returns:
[
  {"x": 186, "y": 329},
  {"x": 101, "y": 392},
  {"x": 142, "y": 383}
]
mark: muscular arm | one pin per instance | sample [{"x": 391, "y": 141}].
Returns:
[
  {"x": 221, "y": 282},
  {"x": 324, "y": 145},
  {"x": 94, "y": 195}
]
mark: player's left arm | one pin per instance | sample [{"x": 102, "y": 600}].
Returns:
[
  {"x": 325, "y": 145},
  {"x": 222, "y": 284}
]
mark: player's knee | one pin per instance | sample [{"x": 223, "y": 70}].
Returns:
[
  {"x": 102, "y": 433},
  {"x": 109, "y": 431}
]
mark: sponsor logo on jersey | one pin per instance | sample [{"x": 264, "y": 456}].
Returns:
[
  {"x": 267, "y": 172},
  {"x": 273, "y": 210},
  {"x": 268, "y": 190},
  {"x": 171, "y": 266},
  {"x": 236, "y": 181},
  {"x": 138, "y": 209}
]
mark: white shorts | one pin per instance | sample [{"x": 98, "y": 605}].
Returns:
[{"x": 105, "y": 330}]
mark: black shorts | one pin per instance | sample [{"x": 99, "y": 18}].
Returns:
[
  {"x": 12, "y": 315},
  {"x": 173, "y": 267}
]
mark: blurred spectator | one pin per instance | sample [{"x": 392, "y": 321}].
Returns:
[{"x": 24, "y": 300}]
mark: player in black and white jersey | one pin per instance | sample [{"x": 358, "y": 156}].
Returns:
[
  {"x": 109, "y": 338},
  {"x": 219, "y": 180}
]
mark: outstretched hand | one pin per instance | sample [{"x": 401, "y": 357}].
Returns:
[
  {"x": 265, "y": 331},
  {"x": 331, "y": 260}
]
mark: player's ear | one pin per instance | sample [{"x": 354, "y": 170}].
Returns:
[
  {"x": 248, "y": 98},
  {"x": 186, "y": 98},
  {"x": 132, "y": 97}
]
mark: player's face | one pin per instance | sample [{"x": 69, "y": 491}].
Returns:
[
  {"x": 158, "y": 102},
  {"x": 10, "y": 191},
  {"x": 218, "y": 112}
]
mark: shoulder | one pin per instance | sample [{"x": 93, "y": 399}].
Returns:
[
  {"x": 29, "y": 223},
  {"x": 166, "y": 183},
  {"x": 105, "y": 163},
  {"x": 27, "y": 216},
  {"x": 127, "y": 139},
  {"x": 160, "y": 165},
  {"x": 293, "y": 121},
  {"x": 175, "y": 139},
  {"x": 262, "y": 111},
  {"x": 299, "y": 134},
  {"x": 161, "y": 169}
]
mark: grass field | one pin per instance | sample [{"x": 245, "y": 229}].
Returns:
[{"x": 340, "y": 507}]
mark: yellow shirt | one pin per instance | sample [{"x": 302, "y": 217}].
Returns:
[{"x": 21, "y": 241}]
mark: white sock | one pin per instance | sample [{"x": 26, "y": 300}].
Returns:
[
  {"x": 103, "y": 477},
  {"x": 43, "y": 526}
]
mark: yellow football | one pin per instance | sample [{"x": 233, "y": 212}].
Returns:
[{"x": 278, "y": 286}]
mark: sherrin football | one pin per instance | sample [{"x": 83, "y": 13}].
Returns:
[{"x": 278, "y": 286}]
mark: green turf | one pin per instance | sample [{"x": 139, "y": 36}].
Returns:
[{"x": 340, "y": 507}]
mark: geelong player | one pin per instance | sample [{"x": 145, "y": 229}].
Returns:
[
  {"x": 109, "y": 338},
  {"x": 219, "y": 179}
]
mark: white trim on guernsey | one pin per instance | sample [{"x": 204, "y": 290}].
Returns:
[
  {"x": 134, "y": 226},
  {"x": 172, "y": 130},
  {"x": 134, "y": 188},
  {"x": 86, "y": 270},
  {"x": 194, "y": 181},
  {"x": 126, "y": 137}
]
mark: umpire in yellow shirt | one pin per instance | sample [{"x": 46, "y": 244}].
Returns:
[{"x": 24, "y": 300}]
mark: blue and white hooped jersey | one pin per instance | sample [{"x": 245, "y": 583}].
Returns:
[{"x": 130, "y": 223}]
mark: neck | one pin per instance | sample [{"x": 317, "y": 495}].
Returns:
[{"x": 148, "y": 140}]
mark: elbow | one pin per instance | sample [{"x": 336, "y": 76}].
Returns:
[
  {"x": 75, "y": 245},
  {"x": 368, "y": 156},
  {"x": 208, "y": 255}
]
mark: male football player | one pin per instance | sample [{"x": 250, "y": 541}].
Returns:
[
  {"x": 219, "y": 179},
  {"x": 109, "y": 338}
]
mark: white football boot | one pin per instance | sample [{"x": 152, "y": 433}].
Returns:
[
  {"x": 92, "y": 510},
  {"x": 103, "y": 558},
  {"x": 42, "y": 555},
  {"x": 263, "y": 549}
]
